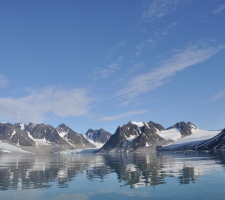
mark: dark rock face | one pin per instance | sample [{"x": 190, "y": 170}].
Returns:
[
  {"x": 184, "y": 128},
  {"x": 73, "y": 138},
  {"x": 13, "y": 134},
  {"x": 115, "y": 141},
  {"x": 155, "y": 126},
  {"x": 147, "y": 138},
  {"x": 41, "y": 131},
  {"x": 131, "y": 137},
  {"x": 100, "y": 136},
  {"x": 6, "y": 131}
]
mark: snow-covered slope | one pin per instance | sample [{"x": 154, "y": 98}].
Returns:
[
  {"x": 191, "y": 142},
  {"x": 170, "y": 134},
  {"x": 8, "y": 148},
  {"x": 197, "y": 135}
]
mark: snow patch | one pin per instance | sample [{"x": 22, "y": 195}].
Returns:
[
  {"x": 63, "y": 133},
  {"x": 14, "y": 132},
  {"x": 6, "y": 151},
  {"x": 38, "y": 141},
  {"x": 131, "y": 137},
  {"x": 97, "y": 144},
  {"x": 139, "y": 124},
  {"x": 8, "y": 147},
  {"x": 147, "y": 145},
  {"x": 22, "y": 127},
  {"x": 172, "y": 134}
]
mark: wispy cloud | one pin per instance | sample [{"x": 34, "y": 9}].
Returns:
[
  {"x": 56, "y": 101},
  {"x": 109, "y": 70},
  {"x": 3, "y": 81},
  {"x": 189, "y": 56},
  {"x": 115, "y": 49},
  {"x": 160, "y": 8},
  {"x": 218, "y": 96},
  {"x": 116, "y": 117},
  {"x": 154, "y": 39},
  {"x": 219, "y": 9}
]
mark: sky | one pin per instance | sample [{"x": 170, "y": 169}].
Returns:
[{"x": 103, "y": 63}]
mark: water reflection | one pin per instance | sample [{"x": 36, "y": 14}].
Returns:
[{"x": 19, "y": 172}]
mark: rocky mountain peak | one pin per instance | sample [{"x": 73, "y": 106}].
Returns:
[
  {"x": 100, "y": 136},
  {"x": 134, "y": 135},
  {"x": 63, "y": 128},
  {"x": 184, "y": 128}
]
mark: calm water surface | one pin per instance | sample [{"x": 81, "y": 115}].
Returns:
[{"x": 113, "y": 176}]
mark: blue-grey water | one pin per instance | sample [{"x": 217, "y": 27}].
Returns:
[{"x": 113, "y": 176}]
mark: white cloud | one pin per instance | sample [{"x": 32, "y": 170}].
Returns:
[
  {"x": 3, "y": 81},
  {"x": 109, "y": 70},
  {"x": 154, "y": 38},
  {"x": 115, "y": 49},
  {"x": 116, "y": 117},
  {"x": 143, "y": 83},
  {"x": 218, "y": 96},
  {"x": 219, "y": 9},
  {"x": 56, "y": 101},
  {"x": 160, "y": 8}
]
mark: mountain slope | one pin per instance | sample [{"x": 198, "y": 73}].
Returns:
[
  {"x": 133, "y": 136},
  {"x": 98, "y": 136},
  {"x": 73, "y": 138}
]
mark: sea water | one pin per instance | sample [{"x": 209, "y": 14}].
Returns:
[{"x": 192, "y": 175}]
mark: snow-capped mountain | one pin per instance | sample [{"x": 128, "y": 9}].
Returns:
[
  {"x": 98, "y": 136},
  {"x": 133, "y": 136},
  {"x": 178, "y": 131},
  {"x": 41, "y": 138},
  {"x": 185, "y": 129}
]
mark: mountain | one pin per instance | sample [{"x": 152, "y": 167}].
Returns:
[
  {"x": 184, "y": 128},
  {"x": 42, "y": 138},
  {"x": 73, "y": 138},
  {"x": 98, "y": 136},
  {"x": 133, "y": 136},
  {"x": 178, "y": 131}
]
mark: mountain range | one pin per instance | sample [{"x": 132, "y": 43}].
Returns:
[
  {"x": 133, "y": 136},
  {"x": 42, "y": 138}
]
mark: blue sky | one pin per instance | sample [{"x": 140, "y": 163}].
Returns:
[{"x": 102, "y": 63}]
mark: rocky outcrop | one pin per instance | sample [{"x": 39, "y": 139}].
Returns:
[{"x": 99, "y": 136}]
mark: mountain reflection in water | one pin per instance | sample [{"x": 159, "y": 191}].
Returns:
[{"x": 20, "y": 172}]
